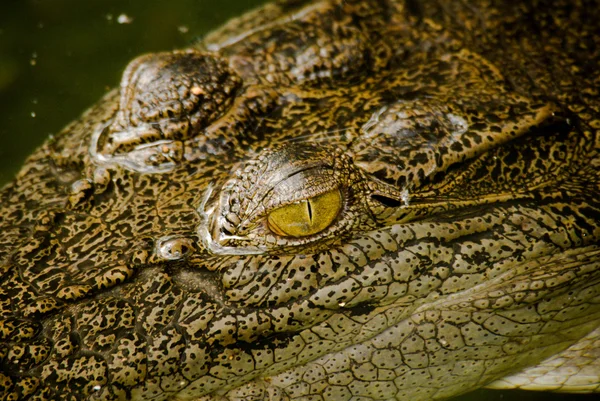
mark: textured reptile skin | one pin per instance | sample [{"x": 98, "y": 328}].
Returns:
[{"x": 137, "y": 261}]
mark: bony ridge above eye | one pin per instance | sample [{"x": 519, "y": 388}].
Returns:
[{"x": 306, "y": 217}]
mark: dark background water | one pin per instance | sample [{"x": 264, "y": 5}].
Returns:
[{"x": 58, "y": 57}]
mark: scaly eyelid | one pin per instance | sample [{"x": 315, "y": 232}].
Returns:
[{"x": 303, "y": 185}]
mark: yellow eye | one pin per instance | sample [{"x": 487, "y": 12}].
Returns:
[{"x": 307, "y": 217}]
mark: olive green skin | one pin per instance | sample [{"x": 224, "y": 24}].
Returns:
[{"x": 137, "y": 261}]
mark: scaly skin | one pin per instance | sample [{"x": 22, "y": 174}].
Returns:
[{"x": 136, "y": 257}]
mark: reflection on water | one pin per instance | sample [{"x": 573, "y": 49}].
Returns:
[{"x": 58, "y": 57}]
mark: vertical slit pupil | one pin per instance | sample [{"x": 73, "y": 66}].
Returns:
[{"x": 309, "y": 209}]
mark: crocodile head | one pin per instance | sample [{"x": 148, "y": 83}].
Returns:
[{"x": 332, "y": 200}]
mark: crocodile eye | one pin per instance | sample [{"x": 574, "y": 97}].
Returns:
[{"x": 306, "y": 217}]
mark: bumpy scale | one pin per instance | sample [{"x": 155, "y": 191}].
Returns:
[{"x": 326, "y": 200}]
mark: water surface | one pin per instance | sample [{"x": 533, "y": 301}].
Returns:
[{"x": 59, "y": 57}]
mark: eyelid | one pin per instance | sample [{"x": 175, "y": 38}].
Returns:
[{"x": 302, "y": 185}]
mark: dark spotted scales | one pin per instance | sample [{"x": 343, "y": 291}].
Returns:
[{"x": 136, "y": 257}]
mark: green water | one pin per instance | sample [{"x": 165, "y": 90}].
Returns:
[{"x": 57, "y": 57}]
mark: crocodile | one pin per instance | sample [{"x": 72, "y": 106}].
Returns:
[{"x": 321, "y": 200}]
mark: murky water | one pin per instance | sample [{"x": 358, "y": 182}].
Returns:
[{"x": 59, "y": 57}]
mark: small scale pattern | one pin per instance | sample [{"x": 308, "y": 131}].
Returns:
[{"x": 136, "y": 261}]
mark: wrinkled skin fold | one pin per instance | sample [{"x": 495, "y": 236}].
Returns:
[{"x": 325, "y": 200}]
